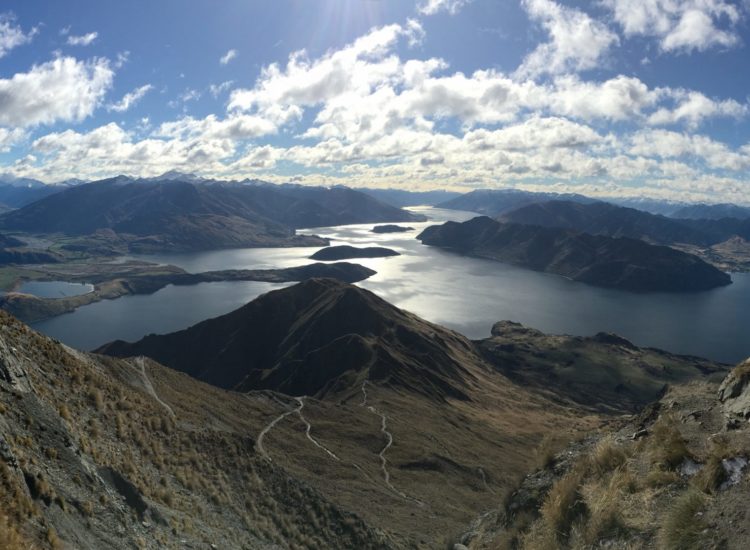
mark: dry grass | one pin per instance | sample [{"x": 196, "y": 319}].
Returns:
[
  {"x": 682, "y": 526},
  {"x": 667, "y": 446},
  {"x": 10, "y": 537}
]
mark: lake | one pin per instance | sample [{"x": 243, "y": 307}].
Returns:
[
  {"x": 462, "y": 293},
  {"x": 54, "y": 289}
]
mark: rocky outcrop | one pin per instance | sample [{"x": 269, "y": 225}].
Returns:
[{"x": 734, "y": 391}]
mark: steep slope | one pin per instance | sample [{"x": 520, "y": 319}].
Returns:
[
  {"x": 495, "y": 202},
  {"x": 98, "y": 453},
  {"x": 673, "y": 476},
  {"x": 603, "y": 261},
  {"x": 318, "y": 337},
  {"x": 190, "y": 215}
]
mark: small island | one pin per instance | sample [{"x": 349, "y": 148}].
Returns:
[
  {"x": 390, "y": 228},
  {"x": 345, "y": 252}
]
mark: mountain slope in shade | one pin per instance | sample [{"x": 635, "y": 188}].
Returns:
[
  {"x": 603, "y": 261},
  {"x": 315, "y": 338},
  {"x": 195, "y": 215}
]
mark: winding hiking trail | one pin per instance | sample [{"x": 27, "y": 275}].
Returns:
[
  {"x": 149, "y": 387},
  {"x": 389, "y": 441},
  {"x": 259, "y": 442},
  {"x": 308, "y": 427}
]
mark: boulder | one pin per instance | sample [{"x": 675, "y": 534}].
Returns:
[{"x": 734, "y": 391}]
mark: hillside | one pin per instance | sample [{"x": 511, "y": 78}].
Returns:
[
  {"x": 602, "y": 218},
  {"x": 495, "y": 202},
  {"x": 674, "y": 476},
  {"x": 623, "y": 263},
  {"x": 121, "y": 453},
  {"x": 617, "y": 221},
  {"x": 315, "y": 338},
  {"x": 604, "y": 372},
  {"x": 157, "y": 215},
  {"x": 412, "y": 434},
  {"x": 712, "y": 212}
]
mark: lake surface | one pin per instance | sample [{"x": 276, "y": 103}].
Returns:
[
  {"x": 465, "y": 294},
  {"x": 54, "y": 289}
]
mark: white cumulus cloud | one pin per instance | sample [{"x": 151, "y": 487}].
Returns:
[
  {"x": 64, "y": 89},
  {"x": 576, "y": 43},
  {"x": 681, "y": 25}
]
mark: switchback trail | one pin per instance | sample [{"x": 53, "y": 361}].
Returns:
[{"x": 308, "y": 427}]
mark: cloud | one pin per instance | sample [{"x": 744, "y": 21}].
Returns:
[
  {"x": 82, "y": 40},
  {"x": 130, "y": 99},
  {"x": 680, "y": 25},
  {"x": 64, "y": 89},
  {"x": 667, "y": 144},
  {"x": 692, "y": 108},
  {"x": 576, "y": 41},
  {"x": 11, "y": 35},
  {"x": 11, "y": 137},
  {"x": 227, "y": 57},
  {"x": 217, "y": 89},
  {"x": 373, "y": 113},
  {"x": 431, "y": 7}
]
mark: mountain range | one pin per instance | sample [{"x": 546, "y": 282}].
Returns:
[{"x": 179, "y": 215}]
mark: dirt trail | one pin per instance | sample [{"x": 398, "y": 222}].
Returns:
[
  {"x": 264, "y": 431},
  {"x": 308, "y": 427},
  {"x": 389, "y": 441},
  {"x": 149, "y": 387}
]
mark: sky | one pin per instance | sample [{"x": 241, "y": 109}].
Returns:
[{"x": 643, "y": 98}]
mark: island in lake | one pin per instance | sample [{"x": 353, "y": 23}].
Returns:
[
  {"x": 345, "y": 252},
  {"x": 390, "y": 228}
]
